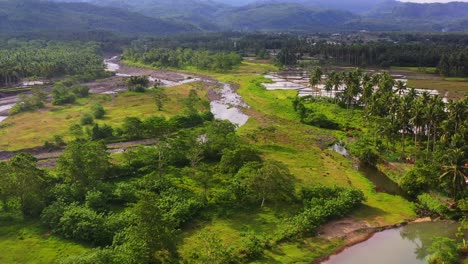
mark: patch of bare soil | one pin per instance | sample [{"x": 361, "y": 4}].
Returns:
[{"x": 341, "y": 228}]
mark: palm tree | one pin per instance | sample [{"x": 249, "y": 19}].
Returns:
[
  {"x": 403, "y": 114},
  {"x": 400, "y": 87},
  {"x": 417, "y": 120},
  {"x": 455, "y": 169}
]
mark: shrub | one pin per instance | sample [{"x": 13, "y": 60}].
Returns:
[
  {"x": 80, "y": 91},
  {"x": 62, "y": 95},
  {"x": 444, "y": 251},
  {"x": 87, "y": 119},
  {"x": 433, "y": 204},
  {"x": 319, "y": 120},
  {"x": 98, "y": 111}
]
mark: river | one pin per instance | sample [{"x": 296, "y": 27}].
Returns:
[
  {"x": 405, "y": 245},
  {"x": 408, "y": 244}
]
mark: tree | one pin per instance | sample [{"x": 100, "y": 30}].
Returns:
[
  {"x": 84, "y": 163},
  {"x": 27, "y": 182},
  {"x": 159, "y": 98},
  {"x": 98, "y": 111},
  {"x": 138, "y": 83},
  {"x": 62, "y": 95},
  {"x": 271, "y": 181},
  {"x": 6, "y": 185},
  {"x": 150, "y": 229},
  {"x": 86, "y": 119},
  {"x": 454, "y": 169}
]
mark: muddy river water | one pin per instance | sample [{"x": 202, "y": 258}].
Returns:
[{"x": 405, "y": 245}]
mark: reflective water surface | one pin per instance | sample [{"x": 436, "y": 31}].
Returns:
[{"x": 408, "y": 245}]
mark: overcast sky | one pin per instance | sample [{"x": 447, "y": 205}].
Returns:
[{"x": 432, "y": 1}]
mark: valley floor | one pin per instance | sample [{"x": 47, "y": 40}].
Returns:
[{"x": 273, "y": 127}]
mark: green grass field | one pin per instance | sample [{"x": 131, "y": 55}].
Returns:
[
  {"x": 26, "y": 242},
  {"x": 31, "y": 129}
]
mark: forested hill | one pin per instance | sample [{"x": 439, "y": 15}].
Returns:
[
  {"x": 283, "y": 16},
  {"x": 33, "y": 16}
]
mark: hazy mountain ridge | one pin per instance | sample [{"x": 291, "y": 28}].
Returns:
[{"x": 268, "y": 15}]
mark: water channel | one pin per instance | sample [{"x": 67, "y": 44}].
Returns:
[{"x": 408, "y": 244}]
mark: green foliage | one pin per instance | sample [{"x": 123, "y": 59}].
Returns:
[
  {"x": 211, "y": 249},
  {"x": 182, "y": 58},
  {"x": 84, "y": 164},
  {"x": 86, "y": 119},
  {"x": 29, "y": 102},
  {"x": 101, "y": 132},
  {"x": 22, "y": 182},
  {"x": 433, "y": 203},
  {"x": 62, "y": 95},
  {"x": 259, "y": 182},
  {"x": 98, "y": 111},
  {"x": 418, "y": 180},
  {"x": 233, "y": 160},
  {"x": 444, "y": 251},
  {"x": 80, "y": 91},
  {"x": 364, "y": 150},
  {"x": 138, "y": 83},
  {"x": 322, "y": 204},
  {"x": 82, "y": 224}
]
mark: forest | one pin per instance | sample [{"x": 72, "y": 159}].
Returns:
[
  {"x": 412, "y": 125},
  {"x": 40, "y": 59},
  {"x": 446, "y": 53},
  {"x": 183, "y": 58}
]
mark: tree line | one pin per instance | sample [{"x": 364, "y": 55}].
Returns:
[
  {"x": 429, "y": 131},
  {"x": 183, "y": 58},
  {"x": 40, "y": 59}
]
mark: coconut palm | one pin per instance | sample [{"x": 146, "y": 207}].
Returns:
[
  {"x": 400, "y": 87},
  {"x": 454, "y": 169}
]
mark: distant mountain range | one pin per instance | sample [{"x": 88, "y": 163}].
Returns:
[{"x": 176, "y": 16}]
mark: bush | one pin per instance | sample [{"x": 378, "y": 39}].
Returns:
[
  {"x": 98, "y": 111},
  {"x": 87, "y": 119},
  {"x": 138, "y": 83},
  {"x": 322, "y": 204},
  {"x": 433, "y": 204},
  {"x": 362, "y": 148},
  {"x": 62, "y": 95},
  {"x": 444, "y": 251},
  {"x": 233, "y": 160},
  {"x": 82, "y": 224},
  {"x": 101, "y": 132},
  {"x": 320, "y": 120},
  {"x": 80, "y": 91}
]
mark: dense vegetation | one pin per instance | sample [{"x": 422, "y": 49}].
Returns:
[
  {"x": 37, "y": 59},
  {"x": 416, "y": 127},
  {"x": 183, "y": 58},
  {"x": 134, "y": 209}
]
